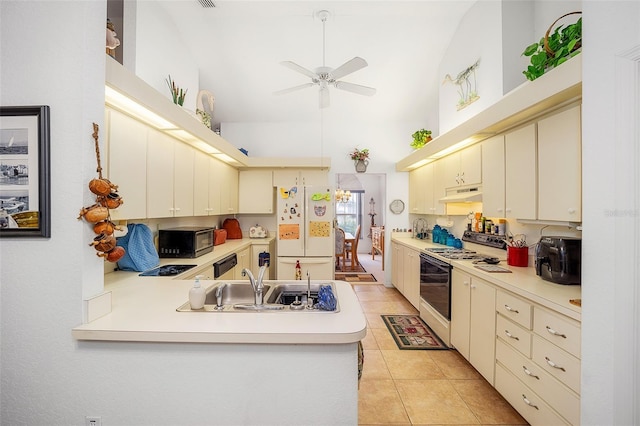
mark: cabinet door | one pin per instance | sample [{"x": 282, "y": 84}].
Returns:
[
  {"x": 127, "y": 165},
  {"x": 397, "y": 267},
  {"x": 216, "y": 182},
  {"x": 439, "y": 189},
  {"x": 520, "y": 173},
  {"x": 450, "y": 169},
  {"x": 244, "y": 261},
  {"x": 559, "y": 166},
  {"x": 255, "y": 191},
  {"x": 493, "y": 172},
  {"x": 482, "y": 335},
  {"x": 460, "y": 311},
  {"x": 183, "y": 162},
  {"x": 418, "y": 181},
  {"x": 471, "y": 165},
  {"x": 315, "y": 177},
  {"x": 160, "y": 175},
  {"x": 256, "y": 249},
  {"x": 201, "y": 163},
  {"x": 412, "y": 276},
  {"x": 229, "y": 190}
]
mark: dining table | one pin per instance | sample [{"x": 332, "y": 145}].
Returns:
[{"x": 349, "y": 238}]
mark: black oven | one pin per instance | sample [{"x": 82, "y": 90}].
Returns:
[{"x": 435, "y": 284}]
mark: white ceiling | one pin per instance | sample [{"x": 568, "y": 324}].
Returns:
[{"x": 238, "y": 46}]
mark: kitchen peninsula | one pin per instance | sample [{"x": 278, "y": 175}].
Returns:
[{"x": 261, "y": 367}]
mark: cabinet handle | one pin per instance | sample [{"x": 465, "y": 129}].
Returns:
[
  {"x": 177, "y": 209},
  {"x": 510, "y": 309},
  {"x": 511, "y": 336},
  {"x": 529, "y": 373},
  {"x": 529, "y": 403},
  {"x": 553, "y": 364},
  {"x": 465, "y": 282},
  {"x": 555, "y": 333},
  {"x": 571, "y": 211},
  {"x": 473, "y": 286},
  {"x": 462, "y": 177}
]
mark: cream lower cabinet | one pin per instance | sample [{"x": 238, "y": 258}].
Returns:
[
  {"x": 411, "y": 275},
  {"x": 397, "y": 267},
  {"x": 256, "y": 192},
  {"x": 256, "y": 250},
  {"x": 537, "y": 361},
  {"x": 473, "y": 308}
]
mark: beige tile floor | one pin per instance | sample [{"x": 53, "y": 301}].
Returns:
[{"x": 419, "y": 387}]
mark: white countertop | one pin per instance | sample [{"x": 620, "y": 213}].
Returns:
[
  {"x": 521, "y": 281},
  {"x": 144, "y": 309}
]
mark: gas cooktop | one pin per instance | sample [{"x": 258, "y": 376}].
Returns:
[
  {"x": 166, "y": 270},
  {"x": 456, "y": 254}
]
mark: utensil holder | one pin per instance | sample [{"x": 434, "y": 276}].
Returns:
[{"x": 517, "y": 256}]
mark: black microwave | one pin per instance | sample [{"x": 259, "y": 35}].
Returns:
[{"x": 186, "y": 241}]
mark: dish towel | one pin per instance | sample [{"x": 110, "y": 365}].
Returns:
[{"x": 141, "y": 254}]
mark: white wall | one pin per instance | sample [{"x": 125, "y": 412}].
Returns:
[{"x": 611, "y": 196}]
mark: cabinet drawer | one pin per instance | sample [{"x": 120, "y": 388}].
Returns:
[
  {"x": 561, "y": 331},
  {"x": 515, "y": 309},
  {"x": 558, "y": 396},
  {"x": 524, "y": 400},
  {"x": 514, "y": 335},
  {"x": 557, "y": 362}
]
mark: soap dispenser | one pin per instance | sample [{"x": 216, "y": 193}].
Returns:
[{"x": 197, "y": 294}]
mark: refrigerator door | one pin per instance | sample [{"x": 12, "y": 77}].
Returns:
[
  {"x": 319, "y": 268},
  {"x": 290, "y": 218},
  {"x": 320, "y": 212}
]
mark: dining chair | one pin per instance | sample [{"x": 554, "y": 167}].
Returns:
[
  {"x": 340, "y": 248},
  {"x": 354, "y": 249}
]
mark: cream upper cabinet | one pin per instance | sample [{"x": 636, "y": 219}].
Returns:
[
  {"x": 559, "y": 166},
  {"x": 202, "y": 205},
  {"x": 169, "y": 177},
  {"x": 306, "y": 177},
  {"x": 228, "y": 189},
  {"x": 127, "y": 164},
  {"x": 520, "y": 173},
  {"x": 439, "y": 189},
  {"x": 473, "y": 321},
  {"x": 419, "y": 180},
  {"x": 493, "y": 177},
  {"x": 464, "y": 167},
  {"x": 256, "y": 191}
]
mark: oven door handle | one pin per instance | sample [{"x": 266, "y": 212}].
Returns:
[{"x": 434, "y": 261}]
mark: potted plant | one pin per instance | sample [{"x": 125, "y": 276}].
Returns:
[
  {"x": 177, "y": 93},
  {"x": 554, "y": 48},
  {"x": 360, "y": 158},
  {"x": 420, "y": 138}
]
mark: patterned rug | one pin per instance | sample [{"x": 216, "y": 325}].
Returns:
[
  {"x": 410, "y": 332},
  {"x": 354, "y": 277}
]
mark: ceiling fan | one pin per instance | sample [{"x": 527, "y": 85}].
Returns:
[{"x": 325, "y": 76}]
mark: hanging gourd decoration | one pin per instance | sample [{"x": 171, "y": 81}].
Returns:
[{"x": 106, "y": 198}]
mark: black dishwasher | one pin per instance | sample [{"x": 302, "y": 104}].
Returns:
[{"x": 224, "y": 265}]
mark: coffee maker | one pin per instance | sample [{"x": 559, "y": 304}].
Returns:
[{"x": 558, "y": 259}]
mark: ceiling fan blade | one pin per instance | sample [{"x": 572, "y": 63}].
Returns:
[
  {"x": 355, "y": 88},
  {"x": 293, "y": 89},
  {"x": 348, "y": 67},
  {"x": 324, "y": 97},
  {"x": 298, "y": 68}
]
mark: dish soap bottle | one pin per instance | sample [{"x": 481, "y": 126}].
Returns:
[
  {"x": 298, "y": 270},
  {"x": 197, "y": 294}
]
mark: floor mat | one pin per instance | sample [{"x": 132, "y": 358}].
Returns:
[
  {"x": 347, "y": 269},
  {"x": 410, "y": 332}
]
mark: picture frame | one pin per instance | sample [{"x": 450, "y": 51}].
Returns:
[{"x": 25, "y": 186}]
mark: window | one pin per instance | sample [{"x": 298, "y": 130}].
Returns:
[{"x": 349, "y": 214}]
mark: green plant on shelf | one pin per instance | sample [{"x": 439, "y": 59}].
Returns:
[
  {"x": 177, "y": 93},
  {"x": 420, "y": 138}
]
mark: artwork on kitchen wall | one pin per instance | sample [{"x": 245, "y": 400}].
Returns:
[
  {"x": 25, "y": 192},
  {"x": 467, "y": 86}
]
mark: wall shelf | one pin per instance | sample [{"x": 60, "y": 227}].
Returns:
[{"x": 558, "y": 87}]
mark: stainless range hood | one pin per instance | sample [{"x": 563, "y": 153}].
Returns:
[{"x": 467, "y": 195}]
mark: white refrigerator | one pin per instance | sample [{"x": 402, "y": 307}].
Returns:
[{"x": 305, "y": 234}]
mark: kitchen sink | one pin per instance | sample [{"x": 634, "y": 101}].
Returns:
[{"x": 238, "y": 296}]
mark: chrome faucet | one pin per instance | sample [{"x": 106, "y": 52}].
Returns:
[
  {"x": 219, "y": 292},
  {"x": 258, "y": 286}
]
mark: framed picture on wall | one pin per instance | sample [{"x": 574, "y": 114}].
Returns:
[{"x": 25, "y": 188}]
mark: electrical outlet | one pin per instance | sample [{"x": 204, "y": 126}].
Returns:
[{"x": 92, "y": 421}]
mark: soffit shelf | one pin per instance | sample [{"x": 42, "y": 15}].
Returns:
[{"x": 559, "y": 87}]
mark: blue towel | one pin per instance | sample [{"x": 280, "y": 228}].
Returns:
[
  {"x": 326, "y": 299},
  {"x": 141, "y": 254}
]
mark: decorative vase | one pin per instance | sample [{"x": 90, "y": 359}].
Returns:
[{"x": 361, "y": 165}]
